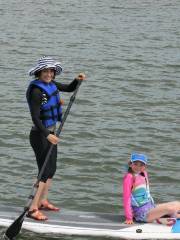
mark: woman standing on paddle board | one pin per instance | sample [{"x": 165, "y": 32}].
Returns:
[
  {"x": 137, "y": 201},
  {"x": 46, "y": 110}
]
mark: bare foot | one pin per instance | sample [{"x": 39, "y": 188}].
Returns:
[{"x": 166, "y": 221}]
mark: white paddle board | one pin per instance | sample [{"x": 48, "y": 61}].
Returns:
[{"x": 87, "y": 224}]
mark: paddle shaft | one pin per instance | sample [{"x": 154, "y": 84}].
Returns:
[{"x": 15, "y": 227}]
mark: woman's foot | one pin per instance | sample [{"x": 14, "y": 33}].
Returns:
[
  {"x": 45, "y": 205},
  {"x": 36, "y": 215},
  {"x": 166, "y": 221}
]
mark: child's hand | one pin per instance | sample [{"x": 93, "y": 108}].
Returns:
[
  {"x": 129, "y": 222},
  {"x": 81, "y": 76}
]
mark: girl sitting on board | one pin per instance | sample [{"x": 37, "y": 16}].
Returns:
[{"x": 137, "y": 201}]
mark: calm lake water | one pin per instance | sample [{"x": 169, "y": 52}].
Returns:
[{"x": 129, "y": 51}]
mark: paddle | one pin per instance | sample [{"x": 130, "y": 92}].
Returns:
[{"x": 14, "y": 229}]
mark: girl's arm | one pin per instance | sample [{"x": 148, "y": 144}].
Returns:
[
  {"x": 66, "y": 87},
  {"x": 127, "y": 189},
  {"x": 72, "y": 86}
]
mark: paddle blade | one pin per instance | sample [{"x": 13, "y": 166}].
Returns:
[{"x": 14, "y": 229}]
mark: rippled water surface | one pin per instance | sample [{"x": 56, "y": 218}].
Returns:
[{"x": 129, "y": 51}]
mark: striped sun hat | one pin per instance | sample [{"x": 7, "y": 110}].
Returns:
[{"x": 44, "y": 63}]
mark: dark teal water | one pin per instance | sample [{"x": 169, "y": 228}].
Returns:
[{"x": 129, "y": 51}]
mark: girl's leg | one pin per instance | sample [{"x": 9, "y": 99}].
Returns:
[
  {"x": 44, "y": 195},
  {"x": 170, "y": 208},
  {"x": 44, "y": 203},
  {"x": 33, "y": 210},
  {"x": 40, "y": 146},
  {"x": 35, "y": 202},
  {"x": 51, "y": 171}
]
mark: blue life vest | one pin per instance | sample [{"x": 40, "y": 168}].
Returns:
[{"x": 51, "y": 110}]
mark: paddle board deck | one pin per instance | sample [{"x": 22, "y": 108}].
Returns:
[{"x": 87, "y": 224}]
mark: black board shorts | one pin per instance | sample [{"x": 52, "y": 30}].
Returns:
[{"x": 41, "y": 145}]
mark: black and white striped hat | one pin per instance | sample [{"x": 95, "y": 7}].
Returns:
[{"x": 44, "y": 63}]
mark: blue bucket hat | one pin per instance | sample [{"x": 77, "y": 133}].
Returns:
[
  {"x": 139, "y": 157},
  {"x": 45, "y": 63}
]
